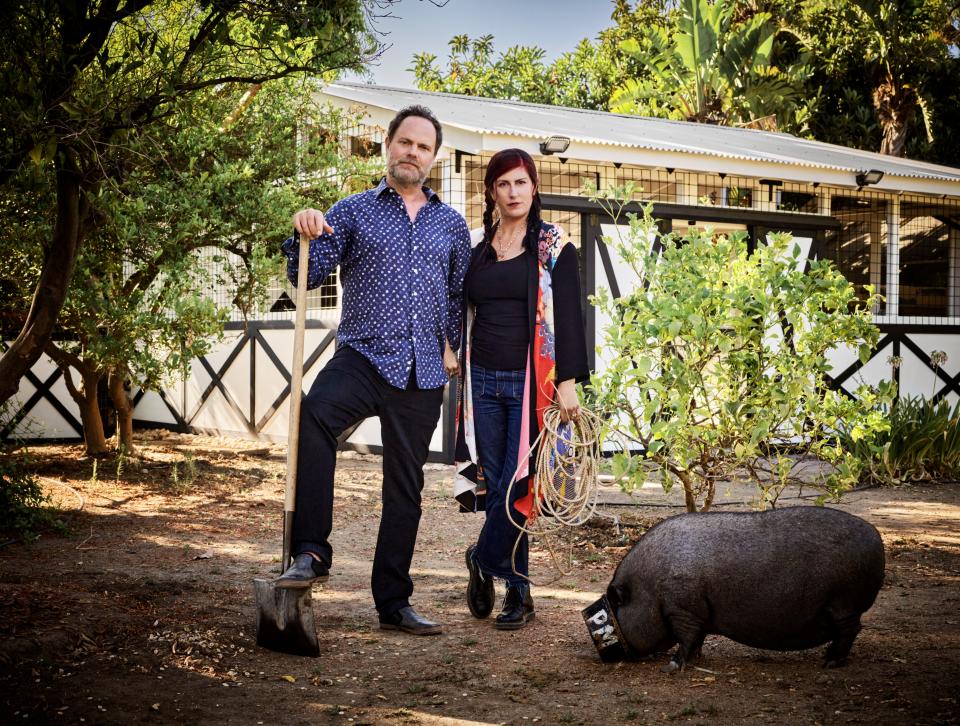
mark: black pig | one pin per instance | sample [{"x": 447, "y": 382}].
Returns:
[{"x": 784, "y": 579}]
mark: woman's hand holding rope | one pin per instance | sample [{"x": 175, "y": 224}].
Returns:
[
  {"x": 567, "y": 400},
  {"x": 566, "y": 476}
]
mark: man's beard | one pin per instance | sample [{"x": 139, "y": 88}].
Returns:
[{"x": 406, "y": 173}]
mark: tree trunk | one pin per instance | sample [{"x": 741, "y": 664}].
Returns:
[
  {"x": 895, "y": 108},
  {"x": 689, "y": 498},
  {"x": 708, "y": 499},
  {"x": 85, "y": 397},
  {"x": 894, "y": 140},
  {"x": 90, "y": 417},
  {"x": 691, "y": 490},
  {"x": 58, "y": 264},
  {"x": 124, "y": 407}
]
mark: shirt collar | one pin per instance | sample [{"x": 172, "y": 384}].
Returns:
[{"x": 431, "y": 195}]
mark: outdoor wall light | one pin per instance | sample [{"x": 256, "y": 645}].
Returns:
[
  {"x": 867, "y": 178},
  {"x": 554, "y": 145}
]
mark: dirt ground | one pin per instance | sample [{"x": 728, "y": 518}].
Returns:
[{"x": 145, "y": 613}]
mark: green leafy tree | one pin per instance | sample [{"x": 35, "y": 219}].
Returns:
[
  {"x": 711, "y": 69},
  {"x": 582, "y": 78},
  {"x": 898, "y": 43},
  {"x": 719, "y": 360},
  {"x": 588, "y": 76},
  {"x": 885, "y": 72},
  {"x": 82, "y": 80},
  {"x": 203, "y": 215},
  {"x": 518, "y": 74}
]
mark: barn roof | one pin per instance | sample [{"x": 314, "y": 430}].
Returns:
[{"x": 486, "y": 116}]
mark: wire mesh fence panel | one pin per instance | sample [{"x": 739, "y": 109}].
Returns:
[
  {"x": 906, "y": 247},
  {"x": 858, "y": 247},
  {"x": 929, "y": 274}
]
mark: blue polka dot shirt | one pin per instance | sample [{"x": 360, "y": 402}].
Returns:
[{"x": 402, "y": 281}]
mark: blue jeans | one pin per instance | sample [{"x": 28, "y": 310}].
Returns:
[{"x": 497, "y": 411}]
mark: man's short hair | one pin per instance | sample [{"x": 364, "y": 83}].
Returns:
[{"x": 422, "y": 112}]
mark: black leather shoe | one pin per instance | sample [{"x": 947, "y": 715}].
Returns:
[
  {"x": 517, "y": 609},
  {"x": 480, "y": 589},
  {"x": 303, "y": 572},
  {"x": 407, "y": 620}
]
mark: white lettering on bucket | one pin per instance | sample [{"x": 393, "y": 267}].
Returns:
[
  {"x": 605, "y": 635},
  {"x": 599, "y": 618}
]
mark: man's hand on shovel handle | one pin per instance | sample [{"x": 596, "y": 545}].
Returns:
[{"x": 311, "y": 223}]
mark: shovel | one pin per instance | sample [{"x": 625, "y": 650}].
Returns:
[{"x": 285, "y": 616}]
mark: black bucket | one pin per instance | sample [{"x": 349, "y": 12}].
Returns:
[{"x": 605, "y": 631}]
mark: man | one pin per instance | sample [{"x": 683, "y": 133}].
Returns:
[{"x": 402, "y": 254}]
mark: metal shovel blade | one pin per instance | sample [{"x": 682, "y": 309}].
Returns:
[{"x": 285, "y": 619}]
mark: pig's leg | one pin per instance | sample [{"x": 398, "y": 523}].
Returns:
[
  {"x": 689, "y": 632},
  {"x": 846, "y": 628}
]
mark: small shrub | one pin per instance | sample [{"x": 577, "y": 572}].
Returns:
[
  {"x": 24, "y": 508},
  {"x": 717, "y": 363},
  {"x": 923, "y": 442}
]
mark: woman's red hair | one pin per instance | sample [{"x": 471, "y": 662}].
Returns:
[{"x": 500, "y": 164}]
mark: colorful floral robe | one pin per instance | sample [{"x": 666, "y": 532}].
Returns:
[{"x": 542, "y": 362}]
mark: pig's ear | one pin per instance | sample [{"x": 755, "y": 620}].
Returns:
[{"x": 613, "y": 597}]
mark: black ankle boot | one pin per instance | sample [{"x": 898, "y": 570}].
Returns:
[
  {"x": 480, "y": 588},
  {"x": 517, "y": 608}
]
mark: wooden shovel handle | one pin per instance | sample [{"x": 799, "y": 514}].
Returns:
[{"x": 296, "y": 393}]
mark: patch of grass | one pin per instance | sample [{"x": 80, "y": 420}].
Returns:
[
  {"x": 189, "y": 467},
  {"x": 181, "y": 480},
  {"x": 121, "y": 463},
  {"x": 174, "y": 483}
]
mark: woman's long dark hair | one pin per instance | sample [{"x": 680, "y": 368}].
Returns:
[{"x": 500, "y": 164}]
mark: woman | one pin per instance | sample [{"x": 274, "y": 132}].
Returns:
[{"x": 525, "y": 349}]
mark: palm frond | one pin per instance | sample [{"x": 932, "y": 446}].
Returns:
[{"x": 926, "y": 113}]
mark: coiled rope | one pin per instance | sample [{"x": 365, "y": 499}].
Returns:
[{"x": 565, "y": 480}]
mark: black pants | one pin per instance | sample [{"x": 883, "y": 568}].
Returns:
[{"x": 348, "y": 390}]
